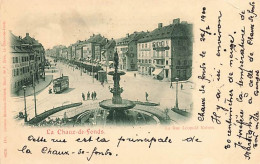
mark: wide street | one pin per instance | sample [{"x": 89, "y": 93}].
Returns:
[{"x": 134, "y": 89}]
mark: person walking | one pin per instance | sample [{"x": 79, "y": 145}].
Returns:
[
  {"x": 92, "y": 95},
  {"x": 181, "y": 86},
  {"x": 146, "y": 96},
  {"x": 83, "y": 96},
  {"x": 88, "y": 95},
  {"x": 95, "y": 95},
  {"x": 171, "y": 86}
]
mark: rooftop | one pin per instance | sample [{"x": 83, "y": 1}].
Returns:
[{"x": 176, "y": 29}]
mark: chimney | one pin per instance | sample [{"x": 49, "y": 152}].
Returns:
[
  {"x": 160, "y": 25},
  {"x": 176, "y": 21},
  {"x": 27, "y": 34}
]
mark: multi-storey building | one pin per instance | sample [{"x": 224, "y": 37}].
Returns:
[
  {"x": 91, "y": 48},
  {"x": 127, "y": 51},
  {"x": 166, "y": 52},
  {"x": 39, "y": 61},
  {"x": 28, "y": 61},
  {"x": 108, "y": 50}
]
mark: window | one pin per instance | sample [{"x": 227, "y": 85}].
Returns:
[
  {"x": 145, "y": 45},
  {"x": 150, "y": 61},
  {"x": 166, "y": 62},
  {"x": 145, "y": 60},
  {"x": 178, "y": 73},
  {"x": 179, "y": 62},
  {"x": 162, "y": 53},
  {"x": 142, "y": 45},
  {"x": 167, "y": 55}
]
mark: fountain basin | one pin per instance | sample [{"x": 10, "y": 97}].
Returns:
[
  {"x": 113, "y": 72},
  {"x": 107, "y": 104}
]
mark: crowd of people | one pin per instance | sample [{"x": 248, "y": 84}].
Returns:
[{"x": 93, "y": 96}]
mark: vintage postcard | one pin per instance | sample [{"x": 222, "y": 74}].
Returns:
[{"x": 109, "y": 81}]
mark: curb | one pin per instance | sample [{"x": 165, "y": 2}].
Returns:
[{"x": 38, "y": 90}]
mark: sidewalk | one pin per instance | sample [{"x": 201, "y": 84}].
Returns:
[{"x": 39, "y": 87}]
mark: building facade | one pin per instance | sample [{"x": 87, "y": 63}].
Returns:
[
  {"x": 127, "y": 51},
  {"x": 28, "y": 61},
  {"x": 166, "y": 52}
]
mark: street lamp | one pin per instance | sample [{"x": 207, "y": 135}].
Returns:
[
  {"x": 176, "y": 106},
  {"x": 25, "y": 113}
]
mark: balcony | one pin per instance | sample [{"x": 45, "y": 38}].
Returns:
[
  {"x": 159, "y": 65},
  {"x": 159, "y": 57}
]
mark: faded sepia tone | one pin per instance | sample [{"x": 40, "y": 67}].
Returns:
[{"x": 142, "y": 70}]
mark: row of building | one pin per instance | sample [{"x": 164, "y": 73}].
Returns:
[
  {"x": 165, "y": 52},
  {"x": 28, "y": 61}
]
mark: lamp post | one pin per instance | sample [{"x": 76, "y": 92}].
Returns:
[
  {"x": 25, "y": 112},
  {"x": 176, "y": 106},
  {"x": 92, "y": 69},
  {"x": 34, "y": 95}
]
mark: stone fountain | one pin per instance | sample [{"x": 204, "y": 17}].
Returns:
[{"x": 117, "y": 106}]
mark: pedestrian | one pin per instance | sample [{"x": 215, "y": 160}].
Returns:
[
  {"x": 95, "y": 95},
  {"x": 134, "y": 74},
  {"x": 181, "y": 86},
  {"x": 83, "y": 96},
  {"x": 146, "y": 96},
  {"x": 88, "y": 95},
  {"x": 171, "y": 86},
  {"x": 92, "y": 95}
]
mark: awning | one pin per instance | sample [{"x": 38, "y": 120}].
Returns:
[
  {"x": 152, "y": 65},
  {"x": 158, "y": 72}
]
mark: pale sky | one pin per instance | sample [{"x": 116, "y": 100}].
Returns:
[{"x": 55, "y": 22}]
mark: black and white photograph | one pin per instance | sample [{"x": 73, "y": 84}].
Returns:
[
  {"x": 142, "y": 77},
  {"x": 132, "y": 82}
]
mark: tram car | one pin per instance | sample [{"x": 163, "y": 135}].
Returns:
[{"x": 60, "y": 84}]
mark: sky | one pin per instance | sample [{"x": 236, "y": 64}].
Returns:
[{"x": 64, "y": 22}]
